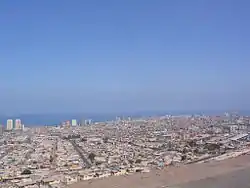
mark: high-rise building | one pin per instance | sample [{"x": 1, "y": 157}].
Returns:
[
  {"x": 63, "y": 124},
  {"x": 1, "y": 130},
  {"x": 74, "y": 122},
  {"x": 86, "y": 122},
  {"x": 82, "y": 123},
  {"x": 67, "y": 124},
  {"x": 18, "y": 124},
  {"x": 9, "y": 125},
  {"x": 90, "y": 121}
]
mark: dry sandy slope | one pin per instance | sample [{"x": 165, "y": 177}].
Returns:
[
  {"x": 170, "y": 176},
  {"x": 234, "y": 179}
]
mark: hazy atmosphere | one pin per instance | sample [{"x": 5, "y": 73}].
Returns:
[
  {"x": 124, "y": 93},
  {"x": 127, "y": 56}
]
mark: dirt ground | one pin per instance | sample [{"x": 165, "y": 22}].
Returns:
[
  {"x": 170, "y": 176},
  {"x": 234, "y": 179}
]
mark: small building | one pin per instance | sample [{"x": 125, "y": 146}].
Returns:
[{"x": 240, "y": 137}]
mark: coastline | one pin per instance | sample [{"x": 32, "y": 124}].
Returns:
[{"x": 55, "y": 119}]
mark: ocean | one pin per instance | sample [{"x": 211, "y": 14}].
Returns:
[
  {"x": 52, "y": 119},
  {"x": 55, "y": 119}
]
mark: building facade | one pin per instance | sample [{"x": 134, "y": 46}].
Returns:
[
  {"x": 18, "y": 124},
  {"x": 1, "y": 129},
  {"x": 74, "y": 122},
  {"x": 9, "y": 125}
]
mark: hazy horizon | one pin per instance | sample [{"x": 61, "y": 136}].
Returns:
[{"x": 56, "y": 118}]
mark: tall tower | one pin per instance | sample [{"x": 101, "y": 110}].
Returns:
[
  {"x": 67, "y": 124},
  {"x": 9, "y": 124},
  {"x": 1, "y": 130},
  {"x": 90, "y": 121},
  {"x": 18, "y": 124},
  {"x": 82, "y": 122},
  {"x": 86, "y": 122},
  {"x": 74, "y": 122}
]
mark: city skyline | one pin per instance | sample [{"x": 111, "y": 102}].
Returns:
[
  {"x": 133, "y": 93},
  {"x": 124, "y": 56},
  {"x": 56, "y": 119},
  {"x": 163, "y": 146},
  {"x": 13, "y": 124}
]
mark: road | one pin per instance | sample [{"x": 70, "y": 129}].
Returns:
[{"x": 80, "y": 151}]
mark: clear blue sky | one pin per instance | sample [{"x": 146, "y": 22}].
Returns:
[{"x": 122, "y": 56}]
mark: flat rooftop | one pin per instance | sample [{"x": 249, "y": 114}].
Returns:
[{"x": 193, "y": 175}]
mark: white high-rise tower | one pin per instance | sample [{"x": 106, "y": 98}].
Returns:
[
  {"x": 9, "y": 125},
  {"x": 18, "y": 124}
]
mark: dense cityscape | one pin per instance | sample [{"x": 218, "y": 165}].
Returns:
[{"x": 74, "y": 151}]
